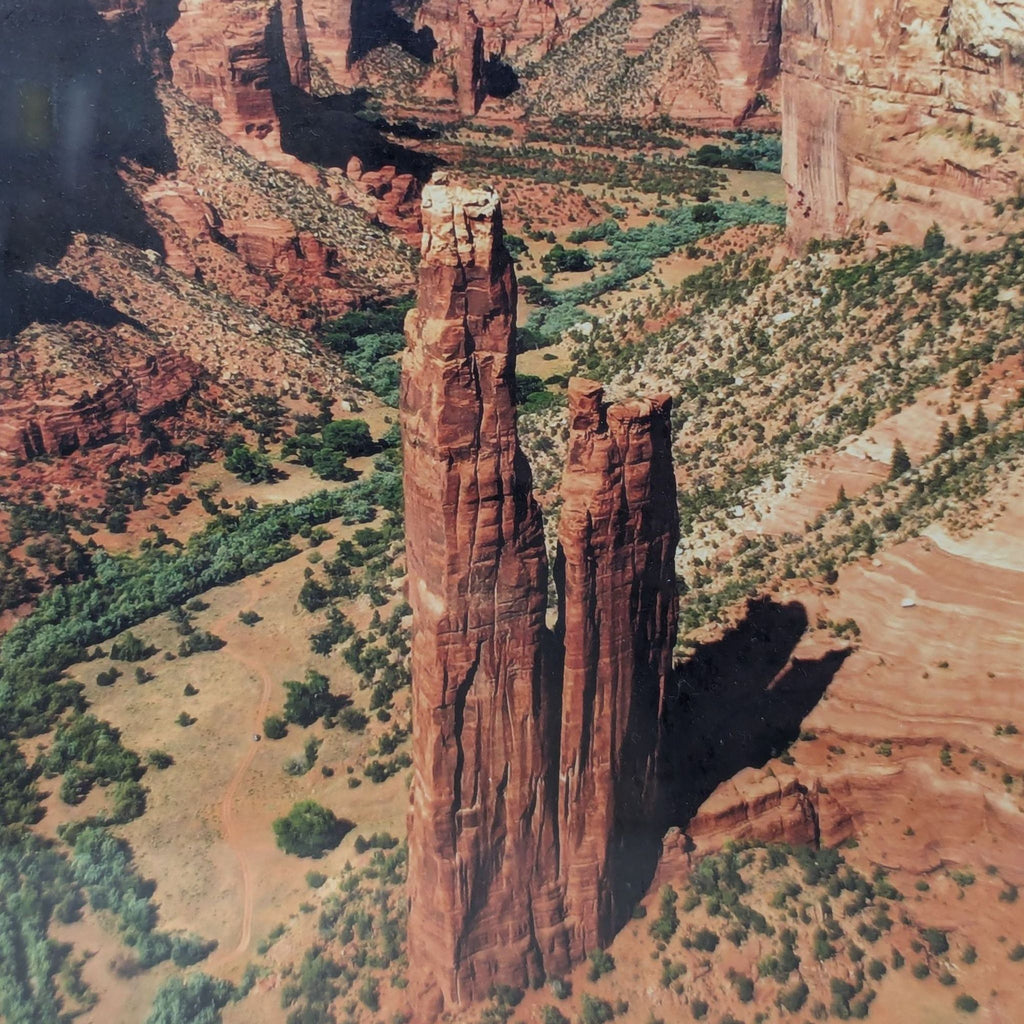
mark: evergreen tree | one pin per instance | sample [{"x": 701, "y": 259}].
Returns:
[
  {"x": 979, "y": 425},
  {"x": 963, "y": 430},
  {"x": 900, "y": 460},
  {"x": 946, "y": 440}
]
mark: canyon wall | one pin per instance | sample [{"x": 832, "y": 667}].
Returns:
[
  {"x": 897, "y": 116},
  {"x": 532, "y": 785},
  {"x": 707, "y": 61},
  {"x": 56, "y": 417},
  {"x": 225, "y": 56}
]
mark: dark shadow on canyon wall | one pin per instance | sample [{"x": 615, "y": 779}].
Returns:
[
  {"x": 330, "y": 130},
  {"x": 77, "y": 99},
  {"x": 736, "y": 703},
  {"x": 499, "y": 79},
  {"x": 26, "y": 300},
  {"x": 375, "y": 24}
]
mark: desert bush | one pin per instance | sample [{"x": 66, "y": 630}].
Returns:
[{"x": 309, "y": 829}]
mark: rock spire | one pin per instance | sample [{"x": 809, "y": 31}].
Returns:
[{"x": 535, "y": 752}]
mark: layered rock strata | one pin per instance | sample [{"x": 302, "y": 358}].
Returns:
[
  {"x": 896, "y": 116},
  {"x": 708, "y": 61},
  {"x": 62, "y": 418},
  {"x": 511, "y": 877}
]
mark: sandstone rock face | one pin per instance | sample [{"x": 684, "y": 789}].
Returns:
[
  {"x": 617, "y": 539},
  {"x": 225, "y": 58},
  {"x": 735, "y": 59},
  {"x": 901, "y": 115},
  {"x": 481, "y": 824},
  {"x": 62, "y": 421},
  {"x": 511, "y": 877},
  {"x": 693, "y": 60}
]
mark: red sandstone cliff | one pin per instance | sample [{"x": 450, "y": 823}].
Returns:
[
  {"x": 225, "y": 58},
  {"x": 62, "y": 414},
  {"x": 901, "y": 115},
  {"x": 523, "y": 828},
  {"x": 616, "y": 573},
  {"x": 707, "y": 61}
]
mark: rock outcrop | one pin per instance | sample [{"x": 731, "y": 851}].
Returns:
[
  {"x": 617, "y": 538},
  {"x": 232, "y": 61},
  {"x": 899, "y": 116},
  {"x": 66, "y": 417},
  {"x": 481, "y": 826},
  {"x": 511, "y": 876},
  {"x": 708, "y": 61}
]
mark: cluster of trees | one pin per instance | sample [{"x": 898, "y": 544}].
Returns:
[
  {"x": 125, "y": 591},
  {"x": 558, "y": 259},
  {"x": 104, "y": 868},
  {"x": 248, "y": 464},
  {"x": 38, "y": 887},
  {"x": 541, "y": 164},
  {"x": 750, "y": 151},
  {"x": 532, "y": 394},
  {"x": 197, "y": 999},
  {"x": 632, "y": 253},
  {"x": 311, "y": 699},
  {"x": 87, "y": 751},
  {"x": 328, "y": 450},
  {"x": 367, "y": 340}
]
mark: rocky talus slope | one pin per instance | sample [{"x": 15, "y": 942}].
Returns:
[
  {"x": 714, "y": 63},
  {"x": 523, "y": 777}
]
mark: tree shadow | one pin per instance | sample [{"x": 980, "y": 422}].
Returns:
[{"x": 740, "y": 701}]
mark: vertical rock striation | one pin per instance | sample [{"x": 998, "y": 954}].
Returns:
[
  {"x": 897, "y": 116},
  {"x": 615, "y": 571},
  {"x": 527, "y": 790},
  {"x": 481, "y": 823}
]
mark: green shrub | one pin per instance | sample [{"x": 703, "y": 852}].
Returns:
[
  {"x": 793, "y": 999},
  {"x": 308, "y": 700},
  {"x": 275, "y": 727},
  {"x": 937, "y": 940},
  {"x": 195, "y": 1000},
  {"x": 601, "y": 963},
  {"x": 131, "y": 648},
  {"x": 595, "y": 1011},
  {"x": 309, "y": 829},
  {"x": 250, "y": 466},
  {"x": 667, "y": 921}
]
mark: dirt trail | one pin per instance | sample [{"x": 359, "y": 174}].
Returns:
[{"x": 226, "y": 807}]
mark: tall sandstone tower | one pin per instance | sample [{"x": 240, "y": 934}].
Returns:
[{"x": 535, "y": 752}]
